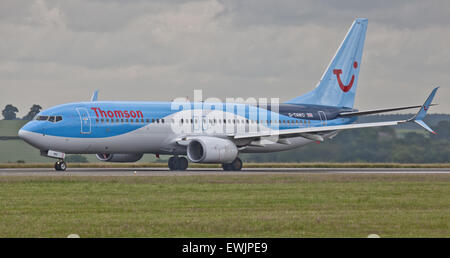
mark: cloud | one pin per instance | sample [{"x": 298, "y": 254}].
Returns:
[{"x": 60, "y": 51}]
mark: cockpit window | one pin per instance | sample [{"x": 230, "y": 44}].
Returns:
[
  {"x": 42, "y": 118},
  {"x": 53, "y": 119}
]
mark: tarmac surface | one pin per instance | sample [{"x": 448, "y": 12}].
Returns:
[{"x": 212, "y": 171}]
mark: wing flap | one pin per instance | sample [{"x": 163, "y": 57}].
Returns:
[{"x": 300, "y": 131}]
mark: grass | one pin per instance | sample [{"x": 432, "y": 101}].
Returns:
[
  {"x": 11, "y": 127},
  {"x": 285, "y": 205}
]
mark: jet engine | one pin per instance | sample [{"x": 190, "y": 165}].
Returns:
[
  {"x": 211, "y": 150},
  {"x": 119, "y": 157}
]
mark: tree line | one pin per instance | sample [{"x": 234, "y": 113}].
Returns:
[
  {"x": 9, "y": 112},
  {"x": 382, "y": 144}
]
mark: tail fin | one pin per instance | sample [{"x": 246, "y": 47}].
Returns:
[{"x": 337, "y": 87}]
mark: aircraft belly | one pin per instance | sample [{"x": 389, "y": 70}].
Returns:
[{"x": 144, "y": 140}]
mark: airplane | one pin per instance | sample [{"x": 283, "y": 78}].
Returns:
[{"x": 122, "y": 131}]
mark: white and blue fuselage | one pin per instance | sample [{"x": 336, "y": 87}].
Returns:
[
  {"x": 211, "y": 132},
  {"x": 147, "y": 127}
]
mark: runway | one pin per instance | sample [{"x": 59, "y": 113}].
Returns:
[{"x": 212, "y": 171}]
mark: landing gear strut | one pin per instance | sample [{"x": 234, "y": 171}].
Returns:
[
  {"x": 60, "y": 165},
  {"x": 176, "y": 163},
  {"x": 236, "y": 165}
]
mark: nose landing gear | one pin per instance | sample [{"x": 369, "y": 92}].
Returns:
[{"x": 60, "y": 165}]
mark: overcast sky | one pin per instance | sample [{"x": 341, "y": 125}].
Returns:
[{"x": 53, "y": 52}]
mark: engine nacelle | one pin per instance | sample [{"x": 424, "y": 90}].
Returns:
[
  {"x": 211, "y": 150},
  {"x": 119, "y": 157}
]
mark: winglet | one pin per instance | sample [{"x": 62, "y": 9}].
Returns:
[
  {"x": 94, "y": 96},
  {"x": 418, "y": 118},
  {"x": 422, "y": 123}
]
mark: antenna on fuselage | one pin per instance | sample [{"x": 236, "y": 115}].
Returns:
[{"x": 94, "y": 96}]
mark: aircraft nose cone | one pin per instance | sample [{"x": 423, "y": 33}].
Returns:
[
  {"x": 24, "y": 135},
  {"x": 28, "y": 135},
  {"x": 21, "y": 133}
]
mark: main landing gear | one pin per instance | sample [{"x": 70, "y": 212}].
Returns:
[
  {"x": 60, "y": 165},
  {"x": 178, "y": 163},
  {"x": 236, "y": 165},
  {"x": 181, "y": 164}
]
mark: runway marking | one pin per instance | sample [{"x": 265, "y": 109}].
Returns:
[{"x": 212, "y": 171}]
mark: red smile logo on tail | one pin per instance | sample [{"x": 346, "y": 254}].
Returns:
[{"x": 343, "y": 87}]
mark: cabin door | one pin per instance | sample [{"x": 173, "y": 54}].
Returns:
[{"x": 85, "y": 120}]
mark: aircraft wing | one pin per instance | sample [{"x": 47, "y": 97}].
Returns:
[
  {"x": 311, "y": 132},
  {"x": 376, "y": 111}
]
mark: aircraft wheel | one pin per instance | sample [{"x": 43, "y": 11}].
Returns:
[
  {"x": 236, "y": 165},
  {"x": 173, "y": 163},
  {"x": 226, "y": 167},
  {"x": 60, "y": 165},
  {"x": 182, "y": 163}
]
